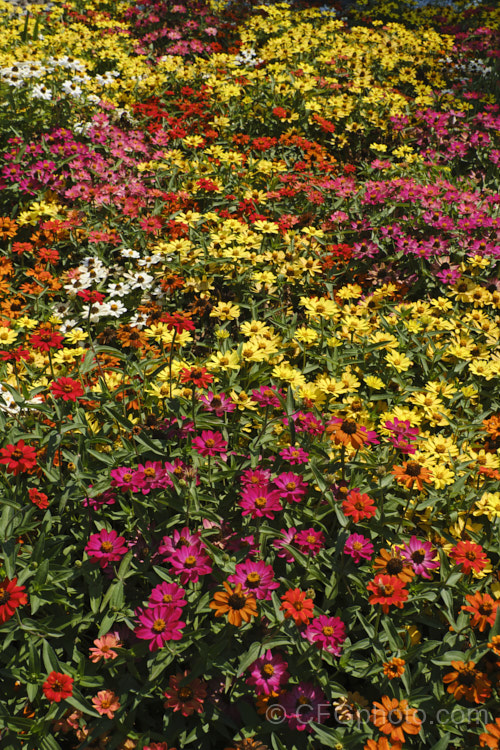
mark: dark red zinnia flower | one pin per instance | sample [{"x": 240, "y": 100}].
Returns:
[{"x": 11, "y": 597}]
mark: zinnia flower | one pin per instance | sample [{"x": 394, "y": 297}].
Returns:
[
  {"x": 106, "y": 703},
  {"x": 210, "y": 444},
  {"x": 358, "y": 506},
  {"x": 467, "y": 682},
  {"x": 410, "y": 473},
  {"x": 159, "y": 625},
  {"x": 58, "y": 686},
  {"x": 186, "y": 696},
  {"x": 346, "y": 432},
  {"x": 387, "y": 590},
  {"x": 260, "y": 502},
  {"x": 483, "y": 609},
  {"x": 327, "y": 633},
  {"x": 395, "y": 718},
  {"x": 168, "y": 595},
  {"x": 421, "y": 556},
  {"x": 104, "y": 648},
  {"x": 189, "y": 563},
  {"x": 105, "y": 547},
  {"x": 394, "y": 668},
  {"x": 309, "y": 541},
  {"x": 303, "y": 705},
  {"x": 12, "y": 596},
  {"x": 255, "y": 577},
  {"x": 66, "y": 389},
  {"x": 491, "y": 738},
  {"x": 268, "y": 673},
  {"x": 290, "y": 486},
  {"x": 470, "y": 556},
  {"x": 392, "y": 564},
  {"x": 297, "y": 605},
  {"x": 234, "y": 603},
  {"x": 358, "y": 547},
  {"x": 18, "y": 457}
]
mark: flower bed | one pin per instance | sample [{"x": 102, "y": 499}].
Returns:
[{"x": 249, "y": 358}]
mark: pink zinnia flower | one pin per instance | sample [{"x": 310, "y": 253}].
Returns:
[
  {"x": 358, "y": 547},
  {"x": 210, "y": 444},
  {"x": 256, "y": 477},
  {"x": 266, "y": 396},
  {"x": 218, "y": 403},
  {"x": 303, "y": 705},
  {"x": 186, "y": 696},
  {"x": 421, "y": 555},
  {"x": 288, "y": 538},
  {"x": 309, "y": 541},
  {"x": 294, "y": 455},
  {"x": 327, "y": 633},
  {"x": 189, "y": 563},
  {"x": 291, "y": 486},
  {"x": 159, "y": 625},
  {"x": 255, "y": 577},
  {"x": 168, "y": 595},
  {"x": 105, "y": 547},
  {"x": 268, "y": 673},
  {"x": 106, "y": 703},
  {"x": 260, "y": 501},
  {"x": 183, "y": 538},
  {"x": 104, "y": 648},
  {"x": 123, "y": 478},
  {"x": 150, "y": 476}
]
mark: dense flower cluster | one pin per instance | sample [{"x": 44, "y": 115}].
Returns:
[{"x": 249, "y": 350}]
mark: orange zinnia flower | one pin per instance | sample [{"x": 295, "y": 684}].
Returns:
[
  {"x": 483, "y": 609},
  {"x": 491, "y": 738},
  {"x": 394, "y": 668},
  {"x": 392, "y": 564},
  {"x": 237, "y": 605},
  {"x": 394, "y": 718},
  {"x": 470, "y": 556},
  {"x": 467, "y": 682},
  {"x": 381, "y": 744},
  {"x": 296, "y": 605},
  {"x": 410, "y": 473},
  {"x": 494, "y": 644},
  {"x": 346, "y": 432},
  {"x": 387, "y": 590}
]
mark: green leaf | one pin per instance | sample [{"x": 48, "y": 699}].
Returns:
[
  {"x": 442, "y": 744},
  {"x": 495, "y": 630},
  {"x": 251, "y": 655}
]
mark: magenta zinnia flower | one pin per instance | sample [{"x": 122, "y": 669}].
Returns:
[
  {"x": 327, "y": 633},
  {"x": 266, "y": 396},
  {"x": 421, "y": 555},
  {"x": 210, "y": 444},
  {"x": 105, "y": 547},
  {"x": 255, "y": 577},
  {"x": 159, "y": 625},
  {"x": 260, "y": 501},
  {"x": 309, "y": 541},
  {"x": 168, "y": 595},
  {"x": 291, "y": 486},
  {"x": 294, "y": 455},
  {"x": 189, "y": 563},
  {"x": 256, "y": 477},
  {"x": 183, "y": 538},
  {"x": 122, "y": 477},
  {"x": 358, "y": 547},
  {"x": 288, "y": 538},
  {"x": 217, "y": 402},
  {"x": 268, "y": 673},
  {"x": 304, "y": 704}
]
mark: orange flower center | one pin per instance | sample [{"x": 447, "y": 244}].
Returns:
[
  {"x": 149, "y": 472},
  {"x": 328, "y": 630},
  {"x": 386, "y": 590},
  {"x": 158, "y": 625},
  {"x": 185, "y": 694},
  {"x": 311, "y": 539},
  {"x": 210, "y": 443},
  {"x": 268, "y": 670},
  {"x": 253, "y": 580},
  {"x": 167, "y": 598},
  {"x": 4, "y": 596},
  {"x": 299, "y": 606},
  {"x": 291, "y": 486},
  {"x": 190, "y": 561},
  {"x": 261, "y": 501},
  {"x": 471, "y": 555},
  {"x": 106, "y": 546}
]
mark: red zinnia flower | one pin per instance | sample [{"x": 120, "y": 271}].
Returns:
[
  {"x": 11, "y": 597},
  {"x": 18, "y": 457},
  {"x": 358, "y": 506},
  {"x": 66, "y": 388},
  {"x": 387, "y": 590},
  {"x": 45, "y": 339},
  {"x": 186, "y": 696},
  {"x": 483, "y": 609},
  {"x": 197, "y": 375},
  {"x": 470, "y": 556},
  {"x": 38, "y": 498},
  {"x": 297, "y": 605},
  {"x": 58, "y": 686}
]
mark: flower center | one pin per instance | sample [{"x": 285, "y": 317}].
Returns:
[
  {"x": 210, "y": 443},
  {"x": 328, "y": 630},
  {"x": 386, "y": 590},
  {"x": 290, "y": 486},
  {"x": 260, "y": 502},
  {"x": 413, "y": 469},
  {"x": 158, "y": 625},
  {"x": 4, "y": 596},
  {"x": 190, "y": 561},
  {"x": 167, "y": 598},
  {"x": 236, "y": 601},
  {"x": 349, "y": 426},
  {"x": 418, "y": 556},
  {"x": 394, "y": 566},
  {"x": 185, "y": 694},
  {"x": 253, "y": 580},
  {"x": 267, "y": 670},
  {"x": 149, "y": 472},
  {"x": 106, "y": 546},
  {"x": 471, "y": 555},
  {"x": 396, "y": 717}
]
